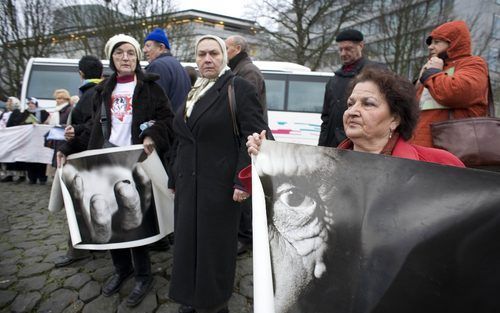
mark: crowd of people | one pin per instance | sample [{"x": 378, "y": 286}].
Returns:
[
  {"x": 205, "y": 128},
  {"x": 13, "y": 116}
]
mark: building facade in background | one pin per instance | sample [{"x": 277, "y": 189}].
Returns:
[{"x": 77, "y": 37}]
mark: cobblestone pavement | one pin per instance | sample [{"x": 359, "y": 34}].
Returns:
[{"x": 31, "y": 238}]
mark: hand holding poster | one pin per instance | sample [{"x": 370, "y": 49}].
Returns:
[
  {"x": 116, "y": 198},
  {"x": 358, "y": 232}
]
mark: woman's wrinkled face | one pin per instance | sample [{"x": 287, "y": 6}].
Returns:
[
  {"x": 368, "y": 118},
  {"x": 209, "y": 58},
  {"x": 125, "y": 59}
]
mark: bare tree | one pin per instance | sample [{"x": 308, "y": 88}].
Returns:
[
  {"x": 24, "y": 29},
  {"x": 145, "y": 15},
  {"x": 150, "y": 14},
  {"x": 66, "y": 28},
  {"x": 90, "y": 26},
  {"x": 404, "y": 26},
  {"x": 85, "y": 28},
  {"x": 303, "y": 30}
]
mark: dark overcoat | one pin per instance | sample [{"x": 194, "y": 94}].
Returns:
[
  {"x": 335, "y": 103},
  {"x": 148, "y": 103},
  {"x": 249, "y": 71},
  {"x": 205, "y": 168}
]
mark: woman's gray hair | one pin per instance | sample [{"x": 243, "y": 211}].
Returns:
[{"x": 16, "y": 103}]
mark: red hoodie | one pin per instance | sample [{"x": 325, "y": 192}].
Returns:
[{"x": 465, "y": 92}]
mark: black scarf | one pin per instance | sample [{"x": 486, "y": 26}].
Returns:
[{"x": 237, "y": 58}]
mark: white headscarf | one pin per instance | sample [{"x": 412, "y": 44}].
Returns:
[{"x": 203, "y": 84}]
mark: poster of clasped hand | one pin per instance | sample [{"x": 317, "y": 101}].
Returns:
[
  {"x": 116, "y": 198},
  {"x": 343, "y": 231}
]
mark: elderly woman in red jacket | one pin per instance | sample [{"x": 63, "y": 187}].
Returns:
[
  {"x": 380, "y": 118},
  {"x": 453, "y": 81}
]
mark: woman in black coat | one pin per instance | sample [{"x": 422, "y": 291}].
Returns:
[
  {"x": 36, "y": 171},
  {"x": 207, "y": 192},
  {"x": 122, "y": 103}
]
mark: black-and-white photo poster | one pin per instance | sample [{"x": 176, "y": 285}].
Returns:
[
  {"x": 343, "y": 231},
  {"x": 116, "y": 198}
]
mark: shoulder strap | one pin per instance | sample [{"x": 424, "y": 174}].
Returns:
[
  {"x": 104, "y": 121},
  {"x": 232, "y": 106},
  {"x": 491, "y": 104}
]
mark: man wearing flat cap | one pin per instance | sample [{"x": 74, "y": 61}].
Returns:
[
  {"x": 350, "y": 45},
  {"x": 174, "y": 79}
]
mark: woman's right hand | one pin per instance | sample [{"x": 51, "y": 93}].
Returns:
[
  {"x": 61, "y": 159},
  {"x": 254, "y": 141}
]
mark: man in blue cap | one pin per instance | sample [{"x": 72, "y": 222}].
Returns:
[{"x": 174, "y": 79}]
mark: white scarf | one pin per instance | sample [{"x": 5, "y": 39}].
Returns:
[{"x": 55, "y": 116}]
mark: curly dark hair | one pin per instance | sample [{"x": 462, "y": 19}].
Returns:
[
  {"x": 90, "y": 66},
  {"x": 399, "y": 93}
]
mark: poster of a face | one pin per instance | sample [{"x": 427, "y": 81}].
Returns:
[
  {"x": 357, "y": 232},
  {"x": 112, "y": 197}
]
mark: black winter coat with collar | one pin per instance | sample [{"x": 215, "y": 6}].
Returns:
[
  {"x": 206, "y": 166},
  {"x": 82, "y": 112},
  {"x": 335, "y": 103},
  {"x": 148, "y": 103},
  {"x": 80, "y": 115}
]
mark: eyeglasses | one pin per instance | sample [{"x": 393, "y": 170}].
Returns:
[{"x": 121, "y": 54}]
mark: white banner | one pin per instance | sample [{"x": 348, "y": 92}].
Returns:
[
  {"x": 25, "y": 144},
  {"x": 262, "y": 273}
]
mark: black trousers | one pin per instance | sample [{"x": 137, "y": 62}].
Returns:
[
  {"x": 136, "y": 259},
  {"x": 36, "y": 171},
  {"x": 16, "y": 166},
  {"x": 245, "y": 228}
]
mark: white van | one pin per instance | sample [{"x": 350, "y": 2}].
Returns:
[{"x": 294, "y": 93}]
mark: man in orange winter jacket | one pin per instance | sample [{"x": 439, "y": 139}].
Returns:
[{"x": 452, "y": 81}]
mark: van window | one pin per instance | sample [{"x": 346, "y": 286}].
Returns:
[
  {"x": 305, "y": 94},
  {"x": 275, "y": 93},
  {"x": 44, "y": 79}
]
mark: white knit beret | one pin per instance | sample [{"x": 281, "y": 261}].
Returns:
[{"x": 122, "y": 38}]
